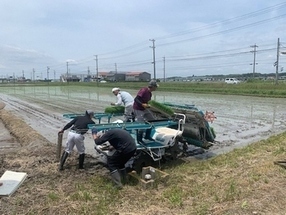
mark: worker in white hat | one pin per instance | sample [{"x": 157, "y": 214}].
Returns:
[{"x": 124, "y": 98}]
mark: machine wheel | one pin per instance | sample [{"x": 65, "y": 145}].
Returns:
[
  {"x": 142, "y": 160},
  {"x": 173, "y": 152}
]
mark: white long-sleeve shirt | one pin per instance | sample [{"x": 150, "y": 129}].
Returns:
[{"x": 125, "y": 98}]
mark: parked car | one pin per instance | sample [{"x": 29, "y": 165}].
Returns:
[{"x": 231, "y": 81}]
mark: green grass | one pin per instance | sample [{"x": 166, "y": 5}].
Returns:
[
  {"x": 174, "y": 195},
  {"x": 242, "y": 181},
  {"x": 239, "y": 182},
  {"x": 255, "y": 88}
]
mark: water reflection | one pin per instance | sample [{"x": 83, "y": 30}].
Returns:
[
  {"x": 238, "y": 117},
  {"x": 251, "y": 115},
  {"x": 274, "y": 116}
]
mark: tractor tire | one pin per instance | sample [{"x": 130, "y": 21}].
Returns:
[{"x": 142, "y": 160}]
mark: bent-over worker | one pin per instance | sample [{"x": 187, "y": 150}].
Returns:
[
  {"x": 125, "y": 147},
  {"x": 127, "y": 100}
]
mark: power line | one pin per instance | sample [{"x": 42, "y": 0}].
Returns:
[
  {"x": 238, "y": 18},
  {"x": 224, "y": 31},
  {"x": 126, "y": 48},
  {"x": 256, "y": 13}
]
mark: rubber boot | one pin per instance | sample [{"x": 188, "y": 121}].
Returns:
[
  {"x": 140, "y": 137},
  {"x": 63, "y": 160},
  {"x": 115, "y": 176},
  {"x": 148, "y": 135},
  {"x": 81, "y": 161},
  {"x": 123, "y": 175}
]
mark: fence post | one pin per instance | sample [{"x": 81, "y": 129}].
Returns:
[{"x": 59, "y": 146}]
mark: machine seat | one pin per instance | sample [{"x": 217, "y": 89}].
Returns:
[{"x": 169, "y": 131}]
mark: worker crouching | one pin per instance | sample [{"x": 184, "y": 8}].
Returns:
[{"x": 125, "y": 147}]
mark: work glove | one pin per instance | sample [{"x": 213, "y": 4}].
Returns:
[{"x": 97, "y": 148}]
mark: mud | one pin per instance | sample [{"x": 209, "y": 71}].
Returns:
[
  {"x": 240, "y": 120},
  {"x": 7, "y": 141},
  {"x": 32, "y": 119}
]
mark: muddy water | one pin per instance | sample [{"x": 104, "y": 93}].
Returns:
[{"x": 241, "y": 120}]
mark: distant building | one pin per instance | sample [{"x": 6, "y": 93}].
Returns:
[
  {"x": 3, "y": 80},
  {"x": 137, "y": 76},
  {"x": 125, "y": 76},
  {"x": 108, "y": 76},
  {"x": 73, "y": 78},
  {"x": 115, "y": 76},
  {"x": 69, "y": 78},
  {"x": 103, "y": 75}
]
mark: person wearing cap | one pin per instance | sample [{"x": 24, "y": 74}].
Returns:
[
  {"x": 79, "y": 126},
  {"x": 125, "y": 147},
  {"x": 141, "y": 111},
  {"x": 127, "y": 100}
]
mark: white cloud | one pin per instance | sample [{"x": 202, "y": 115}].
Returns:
[{"x": 41, "y": 33}]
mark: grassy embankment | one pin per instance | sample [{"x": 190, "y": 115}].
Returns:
[
  {"x": 244, "y": 181},
  {"x": 266, "y": 89},
  {"x": 251, "y": 88}
]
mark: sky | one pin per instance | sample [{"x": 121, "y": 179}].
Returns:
[{"x": 44, "y": 39}]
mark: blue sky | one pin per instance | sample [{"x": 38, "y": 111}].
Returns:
[{"x": 194, "y": 38}]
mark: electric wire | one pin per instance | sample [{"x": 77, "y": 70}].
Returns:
[
  {"x": 222, "y": 32},
  {"x": 238, "y": 18},
  {"x": 137, "y": 47}
]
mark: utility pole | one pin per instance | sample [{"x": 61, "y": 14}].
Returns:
[
  {"x": 54, "y": 75},
  {"x": 88, "y": 71},
  {"x": 164, "y": 69},
  {"x": 48, "y": 68},
  {"x": 96, "y": 67},
  {"x": 23, "y": 74},
  {"x": 277, "y": 61},
  {"x": 67, "y": 71},
  {"x": 154, "y": 62},
  {"x": 115, "y": 68},
  {"x": 34, "y": 74},
  {"x": 254, "y": 57}
]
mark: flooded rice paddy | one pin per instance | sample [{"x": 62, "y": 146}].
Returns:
[{"x": 241, "y": 120}]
